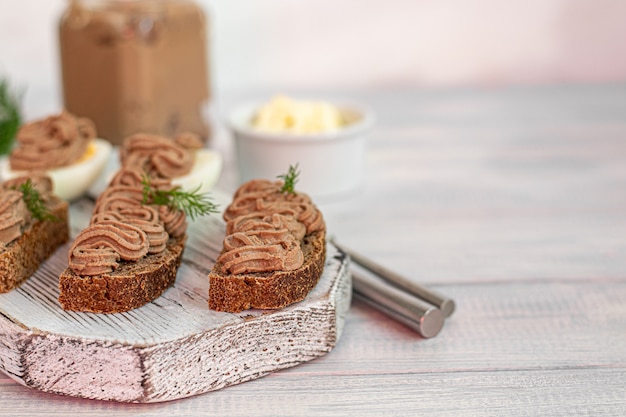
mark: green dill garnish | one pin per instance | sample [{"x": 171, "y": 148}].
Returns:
[
  {"x": 10, "y": 118},
  {"x": 192, "y": 203},
  {"x": 34, "y": 202},
  {"x": 289, "y": 180}
]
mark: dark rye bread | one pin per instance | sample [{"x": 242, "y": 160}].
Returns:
[
  {"x": 23, "y": 256},
  {"x": 269, "y": 290},
  {"x": 131, "y": 285}
]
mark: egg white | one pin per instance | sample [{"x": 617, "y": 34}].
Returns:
[
  {"x": 72, "y": 181},
  {"x": 204, "y": 174}
]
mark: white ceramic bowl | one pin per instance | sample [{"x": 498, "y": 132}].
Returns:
[{"x": 331, "y": 163}]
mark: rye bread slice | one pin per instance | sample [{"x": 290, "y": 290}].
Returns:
[
  {"x": 131, "y": 285},
  {"x": 23, "y": 256},
  {"x": 269, "y": 290}
]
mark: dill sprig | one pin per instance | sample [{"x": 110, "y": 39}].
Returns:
[
  {"x": 34, "y": 202},
  {"x": 10, "y": 118},
  {"x": 289, "y": 180},
  {"x": 193, "y": 203}
]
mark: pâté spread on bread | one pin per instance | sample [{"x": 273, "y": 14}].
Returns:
[
  {"x": 130, "y": 252},
  {"x": 33, "y": 224},
  {"x": 274, "y": 250}
]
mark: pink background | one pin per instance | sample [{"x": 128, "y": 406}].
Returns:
[{"x": 281, "y": 45}]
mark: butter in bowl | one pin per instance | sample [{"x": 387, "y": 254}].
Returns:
[{"x": 327, "y": 139}]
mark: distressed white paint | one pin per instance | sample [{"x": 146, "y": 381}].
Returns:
[{"x": 170, "y": 348}]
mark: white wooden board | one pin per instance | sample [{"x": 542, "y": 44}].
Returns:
[{"x": 171, "y": 348}]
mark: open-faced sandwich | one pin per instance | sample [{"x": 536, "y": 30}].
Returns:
[
  {"x": 130, "y": 252},
  {"x": 274, "y": 249},
  {"x": 33, "y": 224}
]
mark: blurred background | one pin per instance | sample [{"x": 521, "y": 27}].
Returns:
[{"x": 343, "y": 45}]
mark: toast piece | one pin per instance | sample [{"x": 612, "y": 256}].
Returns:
[
  {"x": 130, "y": 252},
  {"x": 22, "y": 257},
  {"x": 131, "y": 285},
  {"x": 269, "y": 290},
  {"x": 274, "y": 250}
]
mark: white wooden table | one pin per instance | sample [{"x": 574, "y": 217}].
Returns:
[{"x": 512, "y": 202}]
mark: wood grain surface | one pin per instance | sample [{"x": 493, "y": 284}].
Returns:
[
  {"x": 512, "y": 202},
  {"x": 173, "y": 347}
]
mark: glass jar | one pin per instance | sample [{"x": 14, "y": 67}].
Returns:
[{"x": 136, "y": 66}]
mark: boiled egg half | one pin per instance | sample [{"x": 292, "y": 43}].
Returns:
[
  {"x": 202, "y": 178},
  {"x": 72, "y": 181},
  {"x": 204, "y": 173}
]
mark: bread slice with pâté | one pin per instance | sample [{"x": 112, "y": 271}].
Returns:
[
  {"x": 130, "y": 252},
  {"x": 29, "y": 238},
  {"x": 274, "y": 249},
  {"x": 131, "y": 285}
]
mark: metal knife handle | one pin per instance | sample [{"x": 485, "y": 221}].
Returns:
[{"x": 446, "y": 305}]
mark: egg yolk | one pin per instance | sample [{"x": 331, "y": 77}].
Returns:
[{"x": 89, "y": 153}]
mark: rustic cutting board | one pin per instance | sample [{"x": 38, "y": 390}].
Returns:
[{"x": 171, "y": 348}]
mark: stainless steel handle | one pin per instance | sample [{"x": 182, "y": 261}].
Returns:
[
  {"x": 399, "y": 297},
  {"x": 426, "y": 319}
]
